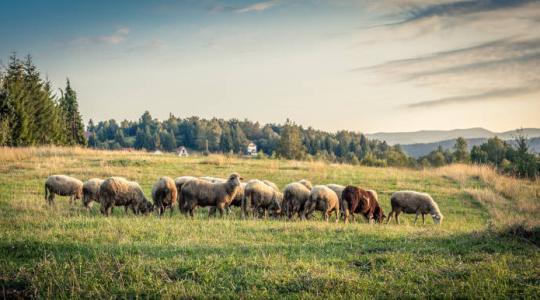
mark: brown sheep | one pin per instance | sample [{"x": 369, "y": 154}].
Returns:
[
  {"x": 202, "y": 193},
  {"x": 358, "y": 200},
  {"x": 164, "y": 194},
  {"x": 64, "y": 186},
  {"x": 118, "y": 191},
  {"x": 324, "y": 199},
  {"x": 411, "y": 202},
  {"x": 295, "y": 196},
  {"x": 91, "y": 191}
]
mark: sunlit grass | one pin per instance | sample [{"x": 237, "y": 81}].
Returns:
[{"x": 65, "y": 252}]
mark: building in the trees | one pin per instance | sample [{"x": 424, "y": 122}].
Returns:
[
  {"x": 182, "y": 151},
  {"x": 251, "y": 149}
]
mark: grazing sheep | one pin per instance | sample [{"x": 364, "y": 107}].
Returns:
[
  {"x": 91, "y": 191},
  {"x": 237, "y": 201},
  {"x": 261, "y": 196},
  {"x": 338, "y": 189},
  {"x": 118, "y": 191},
  {"x": 411, "y": 202},
  {"x": 295, "y": 196},
  {"x": 358, "y": 200},
  {"x": 64, "y": 186},
  {"x": 202, "y": 193},
  {"x": 179, "y": 182},
  {"x": 324, "y": 199},
  {"x": 164, "y": 194}
]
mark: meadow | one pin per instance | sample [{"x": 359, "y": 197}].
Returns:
[{"x": 487, "y": 246}]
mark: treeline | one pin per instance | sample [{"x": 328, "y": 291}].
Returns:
[
  {"x": 31, "y": 114},
  {"x": 287, "y": 140},
  {"x": 516, "y": 160}
]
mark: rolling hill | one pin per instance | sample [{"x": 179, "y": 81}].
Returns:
[{"x": 432, "y": 136}]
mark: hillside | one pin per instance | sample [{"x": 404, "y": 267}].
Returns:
[
  {"x": 480, "y": 250},
  {"x": 417, "y": 150},
  {"x": 432, "y": 136}
]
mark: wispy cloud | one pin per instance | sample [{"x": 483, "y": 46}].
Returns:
[
  {"x": 260, "y": 6},
  {"x": 498, "y": 94},
  {"x": 118, "y": 37}
]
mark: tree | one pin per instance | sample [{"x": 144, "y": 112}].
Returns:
[
  {"x": 72, "y": 118},
  {"x": 461, "y": 153},
  {"x": 478, "y": 156},
  {"x": 290, "y": 144}
]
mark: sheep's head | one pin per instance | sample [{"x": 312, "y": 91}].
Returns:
[
  {"x": 146, "y": 207},
  {"x": 306, "y": 183},
  {"x": 437, "y": 218},
  {"x": 235, "y": 178}
]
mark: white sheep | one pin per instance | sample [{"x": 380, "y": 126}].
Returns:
[{"x": 411, "y": 202}]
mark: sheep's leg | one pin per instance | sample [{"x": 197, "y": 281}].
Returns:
[
  {"x": 337, "y": 215},
  {"x": 221, "y": 209},
  {"x": 255, "y": 212},
  {"x": 161, "y": 210},
  {"x": 423, "y": 220},
  {"x": 397, "y": 216},
  {"x": 389, "y": 217},
  {"x": 51, "y": 198},
  {"x": 326, "y": 216},
  {"x": 171, "y": 208},
  {"x": 416, "y": 218}
]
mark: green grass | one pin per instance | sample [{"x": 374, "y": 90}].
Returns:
[{"x": 64, "y": 252}]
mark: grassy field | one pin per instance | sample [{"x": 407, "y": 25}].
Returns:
[{"x": 487, "y": 247}]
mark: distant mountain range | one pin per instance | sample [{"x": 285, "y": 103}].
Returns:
[
  {"x": 431, "y": 136},
  {"x": 420, "y": 143}
]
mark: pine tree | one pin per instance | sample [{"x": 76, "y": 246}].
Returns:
[
  {"x": 290, "y": 144},
  {"x": 71, "y": 116},
  {"x": 461, "y": 153}
]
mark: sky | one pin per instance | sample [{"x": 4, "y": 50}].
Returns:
[{"x": 368, "y": 66}]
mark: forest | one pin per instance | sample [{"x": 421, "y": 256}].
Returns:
[{"x": 32, "y": 114}]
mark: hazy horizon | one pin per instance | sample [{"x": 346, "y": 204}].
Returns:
[{"x": 366, "y": 66}]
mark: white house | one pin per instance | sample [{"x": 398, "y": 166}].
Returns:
[
  {"x": 251, "y": 149},
  {"x": 182, "y": 151}
]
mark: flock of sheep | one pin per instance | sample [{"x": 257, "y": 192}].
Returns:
[{"x": 255, "y": 197}]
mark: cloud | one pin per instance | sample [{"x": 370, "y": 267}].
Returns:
[
  {"x": 485, "y": 96},
  {"x": 260, "y": 6},
  {"x": 118, "y": 37}
]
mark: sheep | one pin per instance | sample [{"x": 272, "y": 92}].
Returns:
[
  {"x": 91, "y": 191},
  {"x": 411, "y": 202},
  {"x": 164, "y": 194},
  {"x": 118, "y": 191},
  {"x": 237, "y": 201},
  {"x": 324, "y": 199},
  {"x": 179, "y": 182},
  {"x": 358, "y": 200},
  {"x": 202, "y": 193},
  {"x": 295, "y": 196},
  {"x": 261, "y": 196},
  {"x": 64, "y": 186},
  {"x": 338, "y": 189}
]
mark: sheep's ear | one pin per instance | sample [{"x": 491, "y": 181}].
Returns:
[{"x": 241, "y": 178}]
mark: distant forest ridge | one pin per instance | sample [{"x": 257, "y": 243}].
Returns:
[
  {"x": 433, "y": 136},
  {"x": 422, "y": 149}
]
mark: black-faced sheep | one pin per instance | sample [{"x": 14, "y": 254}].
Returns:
[
  {"x": 202, "y": 193},
  {"x": 324, "y": 199},
  {"x": 164, "y": 194},
  {"x": 64, "y": 186},
  {"x": 411, "y": 202},
  {"x": 118, "y": 191},
  {"x": 91, "y": 191},
  {"x": 295, "y": 196},
  {"x": 358, "y": 200},
  {"x": 261, "y": 196}
]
